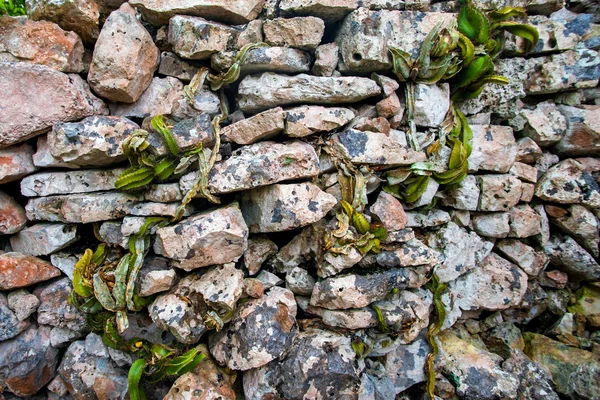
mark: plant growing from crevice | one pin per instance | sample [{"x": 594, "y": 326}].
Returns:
[
  {"x": 12, "y": 8},
  {"x": 437, "y": 289}
]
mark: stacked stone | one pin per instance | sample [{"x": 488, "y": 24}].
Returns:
[{"x": 516, "y": 241}]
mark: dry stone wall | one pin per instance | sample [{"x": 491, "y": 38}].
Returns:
[{"x": 255, "y": 282}]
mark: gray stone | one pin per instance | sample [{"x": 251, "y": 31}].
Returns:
[
  {"x": 269, "y": 279},
  {"x": 55, "y": 310},
  {"x": 528, "y": 150},
  {"x": 61, "y": 337},
  {"x": 36, "y": 97},
  {"x": 300, "y": 32},
  {"x": 260, "y": 331},
  {"x": 155, "y": 276},
  {"x": 405, "y": 365},
  {"x": 409, "y": 254},
  {"x": 375, "y": 148},
  {"x": 43, "y": 158},
  {"x": 498, "y": 192},
  {"x": 268, "y": 90},
  {"x": 281, "y": 207},
  {"x": 221, "y": 287},
  {"x": 534, "y": 381},
  {"x": 333, "y": 264},
  {"x": 51, "y": 183},
  {"x": 524, "y": 222},
  {"x": 12, "y": 215},
  {"x": 364, "y": 46},
  {"x": 94, "y": 345},
  {"x": 171, "y": 65},
  {"x": 570, "y": 257},
  {"x": 22, "y": 303},
  {"x": 88, "y": 376},
  {"x": 28, "y": 362},
  {"x": 573, "y": 69},
  {"x": 299, "y": 281},
  {"x": 197, "y": 38},
  {"x": 530, "y": 261},
  {"x": 581, "y": 224},
  {"x": 325, "y": 9},
  {"x": 493, "y": 225},
  {"x": 326, "y": 362},
  {"x": 431, "y": 104},
  {"x": 307, "y": 120},
  {"x": 124, "y": 58},
  {"x": 159, "y": 12},
  {"x": 299, "y": 251},
  {"x": 465, "y": 196},
  {"x": 11, "y": 324},
  {"x": 545, "y": 124},
  {"x": 416, "y": 219},
  {"x": 94, "y": 141},
  {"x": 494, "y": 148},
  {"x": 356, "y": 291},
  {"x": 212, "y": 237},
  {"x": 460, "y": 251},
  {"x": 260, "y": 248},
  {"x": 258, "y": 127},
  {"x": 568, "y": 183},
  {"x": 44, "y": 239},
  {"x": 326, "y": 59},
  {"x": 276, "y": 59}
]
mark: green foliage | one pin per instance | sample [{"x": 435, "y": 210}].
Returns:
[
  {"x": 12, "y": 7},
  {"x": 437, "y": 289}
]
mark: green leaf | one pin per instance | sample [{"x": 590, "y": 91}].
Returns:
[
  {"x": 527, "y": 32},
  {"x": 133, "y": 379},
  {"x": 380, "y": 319},
  {"x": 78, "y": 286},
  {"x": 402, "y": 64},
  {"x": 136, "y": 179},
  {"x": 466, "y": 134},
  {"x": 458, "y": 155},
  {"x": 472, "y": 72},
  {"x": 183, "y": 362},
  {"x": 467, "y": 49},
  {"x": 102, "y": 293},
  {"x": 164, "y": 169},
  {"x": 473, "y": 24},
  {"x": 118, "y": 291},
  {"x": 158, "y": 123},
  {"x": 359, "y": 221},
  {"x": 506, "y": 13},
  {"x": 416, "y": 189},
  {"x": 474, "y": 90}
]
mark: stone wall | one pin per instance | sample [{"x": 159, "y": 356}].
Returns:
[{"x": 255, "y": 281}]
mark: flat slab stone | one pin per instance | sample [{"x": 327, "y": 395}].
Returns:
[
  {"x": 19, "y": 270},
  {"x": 366, "y": 36},
  {"x": 582, "y": 137},
  {"x": 158, "y": 12},
  {"x": 197, "y": 38},
  {"x": 258, "y": 127},
  {"x": 44, "y": 239},
  {"x": 276, "y": 59},
  {"x": 35, "y": 97},
  {"x": 300, "y": 32},
  {"x": 307, "y": 120},
  {"x": 268, "y": 90},
  {"x": 279, "y": 207},
  {"x": 375, "y": 148},
  {"x": 568, "y": 183},
  {"x": 16, "y": 162},
  {"x": 498, "y": 192},
  {"x": 212, "y": 237},
  {"x": 260, "y": 164},
  {"x": 83, "y": 181},
  {"x": 494, "y": 148}
]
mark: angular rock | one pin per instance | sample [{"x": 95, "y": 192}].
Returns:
[
  {"x": 545, "y": 124},
  {"x": 431, "y": 104},
  {"x": 460, "y": 252},
  {"x": 197, "y": 39},
  {"x": 268, "y": 90},
  {"x": 19, "y": 270},
  {"x": 389, "y": 211},
  {"x": 494, "y": 148},
  {"x": 164, "y": 193},
  {"x": 570, "y": 257},
  {"x": 409, "y": 254},
  {"x": 260, "y": 331},
  {"x": 276, "y": 59},
  {"x": 221, "y": 287},
  {"x": 498, "y": 192},
  {"x": 260, "y": 248},
  {"x": 376, "y": 148},
  {"x": 568, "y": 183},
  {"x": 171, "y": 65},
  {"x": 326, "y": 362},
  {"x": 496, "y": 284},
  {"x": 530, "y": 261},
  {"x": 11, "y": 325},
  {"x": 298, "y": 252},
  {"x": 326, "y": 59},
  {"x": 415, "y": 219},
  {"x": 206, "y": 381},
  {"x": 155, "y": 276},
  {"x": 40, "y": 42},
  {"x": 43, "y": 158},
  {"x": 299, "y": 282},
  {"x": 581, "y": 224},
  {"x": 325, "y": 9},
  {"x": 390, "y": 107},
  {"x": 36, "y": 97},
  {"x": 494, "y": 225},
  {"x": 158, "y": 12},
  {"x": 88, "y": 376},
  {"x": 212, "y": 237},
  {"x": 299, "y": 32},
  {"x": 583, "y": 130},
  {"x": 22, "y": 303},
  {"x": 570, "y": 369},
  {"x": 356, "y": 291},
  {"x": 268, "y": 279},
  {"x": 364, "y": 44},
  {"x": 534, "y": 382},
  {"x": 524, "y": 221},
  {"x": 16, "y": 162},
  {"x": 28, "y": 362},
  {"x": 405, "y": 364},
  {"x": 12, "y": 215},
  {"x": 528, "y": 150},
  {"x": 124, "y": 59},
  {"x": 258, "y": 127},
  {"x": 333, "y": 264},
  {"x": 55, "y": 310},
  {"x": 524, "y": 172},
  {"x": 80, "y": 17},
  {"x": 573, "y": 69},
  {"x": 588, "y": 304},
  {"x": 260, "y": 164},
  {"x": 307, "y": 120},
  {"x": 44, "y": 239},
  {"x": 85, "y": 181},
  {"x": 252, "y": 33},
  {"x": 280, "y": 207},
  {"x": 94, "y": 141},
  {"x": 465, "y": 196},
  {"x": 81, "y": 208},
  {"x": 477, "y": 371}
]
